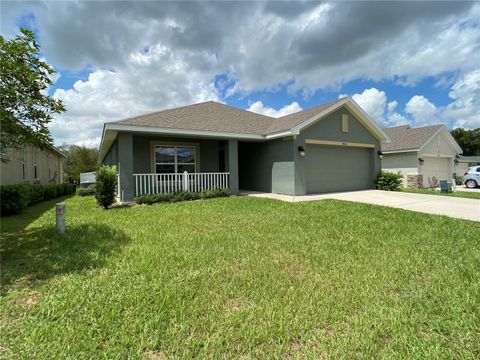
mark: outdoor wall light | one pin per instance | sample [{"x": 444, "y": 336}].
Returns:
[
  {"x": 380, "y": 154},
  {"x": 420, "y": 161},
  {"x": 455, "y": 161},
  {"x": 301, "y": 151}
]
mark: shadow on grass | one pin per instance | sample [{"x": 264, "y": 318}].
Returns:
[
  {"x": 30, "y": 256},
  {"x": 19, "y": 222}
]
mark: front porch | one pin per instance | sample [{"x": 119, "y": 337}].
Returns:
[{"x": 151, "y": 164}]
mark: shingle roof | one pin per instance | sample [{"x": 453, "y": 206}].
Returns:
[
  {"x": 405, "y": 138},
  {"x": 213, "y": 116},
  {"x": 471, "y": 159},
  {"x": 206, "y": 116}
]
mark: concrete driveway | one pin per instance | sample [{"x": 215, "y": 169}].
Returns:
[
  {"x": 464, "y": 188},
  {"x": 468, "y": 209}
]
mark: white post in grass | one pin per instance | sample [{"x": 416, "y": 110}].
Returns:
[
  {"x": 185, "y": 181},
  {"x": 60, "y": 219}
]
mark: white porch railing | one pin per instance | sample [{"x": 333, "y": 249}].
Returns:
[
  {"x": 118, "y": 188},
  {"x": 178, "y": 182}
]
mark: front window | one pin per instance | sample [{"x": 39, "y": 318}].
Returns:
[
  {"x": 174, "y": 159},
  {"x": 35, "y": 165},
  {"x": 24, "y": 170}
]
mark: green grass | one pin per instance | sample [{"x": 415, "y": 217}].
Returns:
[
  {"x": 239, "y": 278},
  {"x": 460, "y": 194}
]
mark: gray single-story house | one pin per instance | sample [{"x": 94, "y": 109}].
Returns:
[
  {"x": 332, "y": 147},
  {"x": 420, "y": 154}
]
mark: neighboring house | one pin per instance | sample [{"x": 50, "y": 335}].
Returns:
[
  {"x": 332, "y": 147},
  {"x": 87, "y": 179},
  {"x": 462, "y": 163},
  {"x": 420, "y": 154},
  {"x": 31, "y": 165}
]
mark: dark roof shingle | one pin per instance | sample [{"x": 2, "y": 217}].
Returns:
[
  {"x": 405, "y": 138},
  {"x": 206, "y": 116},
  {"x": 213, "y": 116}
]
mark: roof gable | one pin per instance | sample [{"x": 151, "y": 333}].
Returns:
[{"x": 405, "y": 138}]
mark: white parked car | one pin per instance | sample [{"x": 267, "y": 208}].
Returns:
[{"x": 471, "y": 179}]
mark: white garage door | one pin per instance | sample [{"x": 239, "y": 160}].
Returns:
[{"x": 438, "y": 167}]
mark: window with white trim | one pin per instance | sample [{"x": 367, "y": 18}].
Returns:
[
  {"x": 171, "y": 159},
  {"x": 35, "y": 165},
  {"x": 24, "y": 169}
]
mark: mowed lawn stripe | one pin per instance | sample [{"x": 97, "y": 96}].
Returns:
[{"x": 240, "y": 276}]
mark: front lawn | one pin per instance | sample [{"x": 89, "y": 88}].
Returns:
[
  {"x": 239, "y": 278},
  {"x": 461, "y": 194}
]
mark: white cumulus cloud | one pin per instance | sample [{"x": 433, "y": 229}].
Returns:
[
  {"x": 150, "y": 81},
  {"x": 464, "y": 111},
  {"x": 259, "y": 108},
  {"x": 373, "y": 101},
  {"x": 154, "y": 55},
  {"x": 422, "y": 110}
]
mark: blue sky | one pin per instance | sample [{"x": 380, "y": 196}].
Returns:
[{"x": 411, "y": 63}]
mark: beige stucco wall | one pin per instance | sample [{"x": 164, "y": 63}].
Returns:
[
  {"x": 49, "y": 166},
  {"x": 406, "y": 163},
  {"x": 461, "y": 168}
]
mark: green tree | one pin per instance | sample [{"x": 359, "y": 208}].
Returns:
[
  {"x": 79, "y": 159},
  {"x": 469, "y": 140},
  {"x": 25, "y": 107}
]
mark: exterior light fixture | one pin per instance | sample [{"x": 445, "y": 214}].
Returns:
[
  {"x": 456, "y": 159},
  {"x": 420, "y": 161},
  {"x": 380, "y": 154},
  {"x": 301, "y": 151}
]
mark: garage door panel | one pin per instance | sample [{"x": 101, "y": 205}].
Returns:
[{"x": 332, "y": 168}]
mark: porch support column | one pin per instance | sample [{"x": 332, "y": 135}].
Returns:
[
  {"x": 233, "y": 165},
  {"x": 125, "y": 156}
]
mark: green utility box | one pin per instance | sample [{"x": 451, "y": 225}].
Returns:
[{"x": 445, "y": 186}]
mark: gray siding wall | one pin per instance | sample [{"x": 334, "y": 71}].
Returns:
[
  {"x": 111, "y": 158},
  {"x": 267, "y": 166},
  {"x": 330, "y": 128}
]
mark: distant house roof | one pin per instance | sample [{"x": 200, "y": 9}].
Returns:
[
  {"x": 405, "y": 138},
  {"x": 213, "y": 119},
  {"x": 469, "y": 159}
]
